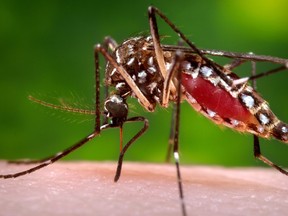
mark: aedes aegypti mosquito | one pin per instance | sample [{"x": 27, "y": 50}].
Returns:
[{"x": 153, "y": 73}]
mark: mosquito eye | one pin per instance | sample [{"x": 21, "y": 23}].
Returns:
[{"x": 116, "y": 107}]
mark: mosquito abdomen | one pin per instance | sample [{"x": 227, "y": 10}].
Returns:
[
  {"x": 213, "y": 98},
  {"x": 240, "y": 108}
]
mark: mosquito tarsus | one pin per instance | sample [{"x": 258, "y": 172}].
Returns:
[{"x": 153, "y": 73}]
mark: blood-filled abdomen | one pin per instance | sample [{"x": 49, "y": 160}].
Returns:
[{"x": 216, "y": 99}]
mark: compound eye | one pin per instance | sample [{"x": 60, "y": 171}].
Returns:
[{"x": 116, "y": 107}]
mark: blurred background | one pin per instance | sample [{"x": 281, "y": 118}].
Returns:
[{"x": 46, "y": 50}]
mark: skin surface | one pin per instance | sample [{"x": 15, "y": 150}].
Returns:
[{"x": 87, "y": 188}]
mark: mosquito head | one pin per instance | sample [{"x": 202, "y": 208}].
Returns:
[{"x": 116, "y": 108}]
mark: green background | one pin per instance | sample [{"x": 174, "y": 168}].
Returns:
[{"x": 46, "y": 50}]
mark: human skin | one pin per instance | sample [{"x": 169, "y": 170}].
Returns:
[{"x": 87, "y": 188}]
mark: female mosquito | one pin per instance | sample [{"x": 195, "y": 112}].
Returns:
[{"x": 158, "y": 74}]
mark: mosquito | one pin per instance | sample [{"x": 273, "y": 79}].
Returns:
[{"x": 156, "y": 74}]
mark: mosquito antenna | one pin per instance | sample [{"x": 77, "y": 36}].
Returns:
[{"x": 61, "y": 107}]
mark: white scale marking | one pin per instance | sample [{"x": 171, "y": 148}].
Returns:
[
  {"x": 47, "y": 162},
  {"x": 149, "y": 38},
  {"x": 151, "y": 61},
  {"x": 248, "y": 100},
  {"x": 113, "y": 72},
  {"x": 116, "y": 99},
  {"x": 187, "y": 66},
  {"x": 284, "y": 129},
  {"x": 152, "y": 86},
  {"x": 218, "y": 53},
  {"x": 118, "y": 59},
  {"x": 206, "y": 71},
  {"x": 168, "y": 66},
  {"x": 215, "y": 80},
  {"x": 195, "y": 73},
  {"x": 130, "y": 62},
  {"x": 92, "y": 135},
  {"x": 264, "y": 119},
  {"x": 130, "y": 49},
  {"x": 211, "y": 113},
  {"x": 234, "y": 122},
  {"x": 176, "y": 156},
  {"x": 119, "y": 85},
  {"x": 151, "y": 70},
  {"x": 157, "y": 98},
  {"x": 260, "y": 129},
  {"x": 142, "y": 76},
  {"x": 240, "y": 81}
]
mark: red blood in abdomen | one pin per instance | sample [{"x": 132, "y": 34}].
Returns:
[{"x": 215, "y": 99}]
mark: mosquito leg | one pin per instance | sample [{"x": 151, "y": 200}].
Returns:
[
  {"x": 156, "y": 41},
  {"x": 176, "y": 116},
  {"x": 96, "y": 131},
  {"x": 257, "y": 151},
  {"x": 254, "y": 76},
  {"x": 260, "y": 75},
  {"x": 171, "y": 134},
  {"x": 257, "y": 154},
  {"x": 168, "y": 81},
  {"x": 165, "y": 99},
  {"x": 218, "y": 68},
  {"x": 152, "y": 11},
  {"x": 29, "y": 161},
  {"x": 157, "y": 47},
  {"x": 267, "y": 73},
  {"x": 54, "y": 158},
  {"x": 110, "y": 43},
  {"x": 235, "y": 63},
  {"x": 245, "y": 56},
  {"x": 173, "y": 141},
  {"x": 166, "y": 92},
  {"x": 253, "y": 73},
  {"x": 176, "y": 145},
  {"x": 131, "y": 141}
]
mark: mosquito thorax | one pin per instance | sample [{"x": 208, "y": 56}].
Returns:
[
  {"x": 141, "y": 64},
  {"x": 137, "y": 56},
  {"x": 115, "y": 107}
]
